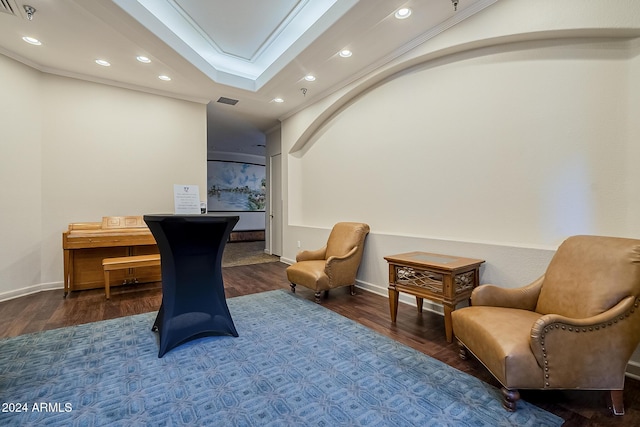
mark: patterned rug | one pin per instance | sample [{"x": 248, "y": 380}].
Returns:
[{"x": 295, "y": 363}]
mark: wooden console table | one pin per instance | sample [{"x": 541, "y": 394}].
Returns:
[{"x": 445, "y": 279}]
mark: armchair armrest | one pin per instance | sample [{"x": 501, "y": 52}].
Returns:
[
  {"x": 524, "y": 298},
  {"x": 342, "y": 270},
  {"x": 309, "y": 255},
  {"x": 605, "y": 343}
]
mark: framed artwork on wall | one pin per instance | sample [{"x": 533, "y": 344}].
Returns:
[{"x": 235, "y": 186}]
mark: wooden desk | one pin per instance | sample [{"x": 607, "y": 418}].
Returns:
[{"x": 445, "y": 279}]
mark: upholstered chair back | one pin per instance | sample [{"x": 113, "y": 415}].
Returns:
[
  {"x": 344, "y": 237},
  {"x": 590, "y": 274}
]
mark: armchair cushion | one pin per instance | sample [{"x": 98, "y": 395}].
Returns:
[
  {"x": 499, "y": 338},
  {"x": 311, "y": 271}
]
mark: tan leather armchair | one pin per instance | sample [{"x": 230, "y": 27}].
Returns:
[
  {"x": 573, "y": 328},
  {"x": 333, "y": 265}
]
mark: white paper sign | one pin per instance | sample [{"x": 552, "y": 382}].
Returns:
[{"x": 186, "y": 199}]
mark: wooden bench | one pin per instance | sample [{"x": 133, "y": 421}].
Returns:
[{"x": 121, "y": 263}]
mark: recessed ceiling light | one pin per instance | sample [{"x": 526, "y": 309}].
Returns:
[
  {"x": 143, "y": 59},
  {"x": 403, "y": 13},
  {"x": 345, "y": 53},
  {"x": 278, "y": 100},
  {"x": 165, "y": 78},
  {"x": 32, "y": 41},
  {"x": 103, "y": 62},
  {"x": 310, "y": 78}
]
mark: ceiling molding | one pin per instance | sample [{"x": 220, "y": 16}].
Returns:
[{"x": 182, "y": 32}]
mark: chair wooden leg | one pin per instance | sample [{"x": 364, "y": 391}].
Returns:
[
  {"x": 616, "y": 402},
  {"x": 462, "y": 351},
  {"x": 353, "y": 289},
  {"x": 293, "y": 288},
  {"x": 510, "y": 399},
  {"x": 317, "y": 297}
]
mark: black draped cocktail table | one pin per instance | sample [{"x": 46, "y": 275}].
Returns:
[{"x": 193, "y": 299}]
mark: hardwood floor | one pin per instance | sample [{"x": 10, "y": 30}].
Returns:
[{"x": 423, "y": 332}]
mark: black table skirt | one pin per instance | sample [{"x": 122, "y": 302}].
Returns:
[{"x": 193, "y": 299}]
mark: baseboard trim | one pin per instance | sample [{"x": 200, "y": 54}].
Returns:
[
  {"x": 17, "y": 293},
  {"x": 633, "y": 370}
]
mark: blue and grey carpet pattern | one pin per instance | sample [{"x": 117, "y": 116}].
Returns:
[{"x": 294, "y": 364}]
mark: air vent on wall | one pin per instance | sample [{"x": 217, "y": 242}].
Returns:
[
  {"x": 8, "y": 6},
  {"x": 228, "y": 101}
]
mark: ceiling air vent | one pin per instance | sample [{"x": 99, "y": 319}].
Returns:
[
  {"x": 8, "y": 6},
  {"x": 224, "y": 100}
]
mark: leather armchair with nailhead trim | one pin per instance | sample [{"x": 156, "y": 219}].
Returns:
[
  {"x": 335, "y": 264},
  {"x": 575, "y": 327}
]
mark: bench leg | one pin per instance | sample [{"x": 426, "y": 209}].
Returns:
[{"x": 107, "y": 283}]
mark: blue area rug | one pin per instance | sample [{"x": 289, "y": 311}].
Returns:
[{"x": 295, "y": 363}]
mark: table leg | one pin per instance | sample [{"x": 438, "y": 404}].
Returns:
[
  {"x": 419, "y": 304},
  {"x": 448, "y": 326},
  {"x": 393, "y": 303}
]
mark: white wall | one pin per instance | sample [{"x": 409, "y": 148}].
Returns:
[
  {"x": 496, "y": 140},
  {"x": 20, "y": 176},
  {"x": 633, "y": 150},
  {"x": 494, "y": 133},
  {"x": 522, "y": 144},
  {"x": 633, "y": 137},
  {"x": 91, "y": 151}
]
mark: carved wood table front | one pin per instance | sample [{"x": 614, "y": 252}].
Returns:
[{"x": 444, "y": 279}]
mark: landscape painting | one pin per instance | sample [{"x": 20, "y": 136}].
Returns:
[{"x": 233, "y": 186}]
